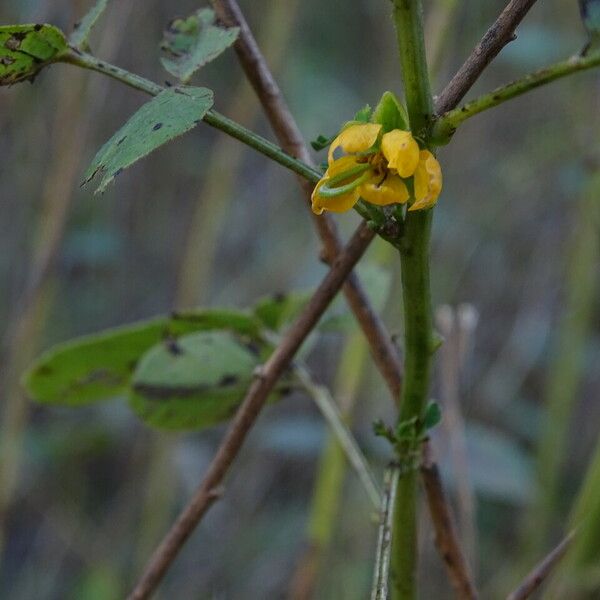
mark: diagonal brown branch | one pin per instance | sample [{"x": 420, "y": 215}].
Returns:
[
  {"x": 497, "y": 36},
  {"x": 446, "y": 536},
  {"x": 542, "y": 570},
  {"x": 288, "y": 134},
  {"x": 248, "y": 412}
]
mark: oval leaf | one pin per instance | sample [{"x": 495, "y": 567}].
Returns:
[
  {"x": 99, "y": 367},
  {"x": 170, "y": 114},
  {"x": 189, "y": 44},
  {"x": 196, "y": 382},
  {"x": 26, "y": 49}
]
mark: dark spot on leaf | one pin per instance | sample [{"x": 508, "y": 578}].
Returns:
[
  {"x": 14, "y": 41},
  {"x": 117, "y": 172},
  {"x": 228, "y": 380},
  {"x": 101, "y": 65},
  {"x": 279, "y": 297},
  {"x": 37, "y": 27},
  {"x": 44, "y": 370},
  {"x": 286, "y": 390},
  {"x": 253, "y": 348},
  {"x": 157, "y": 127},
  {"x": 168, "y": 84},
  {"x": 131, "y": 365},
  {"x": 173, "y": 347},
  {"x": 77, "y": 25},
  {"x": 121, "y": 140}
]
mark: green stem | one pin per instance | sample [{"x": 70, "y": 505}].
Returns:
[
  {"x": 447, "y": 124},
  {"x": 418, "y": 323},
  {"x": 212, "y": 117},
  {"x": 408, "y": 17},
  {"x": 418, "y": 349}
]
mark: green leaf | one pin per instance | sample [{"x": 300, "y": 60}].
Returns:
[
  {"x": 99, "y": 366},
  {"x": 79, "y": 37},
  {"x": 170, "y": 114},
  {"x": 391, "y": 113},
  {"x": 189, "y": 44},
  {"x": 26, "y": 49},
  {"x": 196, "y": 382}
]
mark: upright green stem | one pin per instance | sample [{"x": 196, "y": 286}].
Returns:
[
  {"x": 408, "y": 17},
  {"x": 418, "y": 321}
]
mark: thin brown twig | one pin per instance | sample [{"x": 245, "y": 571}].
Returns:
[
  {"x": 288, "y": 134},
  {"x": 247, "y": 413},
  {"x": 496, "y": 37},
  {"x": 542, "y": 570},
  {"x": 446, "y": 536}
]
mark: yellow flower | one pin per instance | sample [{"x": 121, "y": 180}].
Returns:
[
  {"x": 427, "y": 180},
  {"x": 374, "y": 167}
]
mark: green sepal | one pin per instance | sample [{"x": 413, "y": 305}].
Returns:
[
  {"x": 432, "y": 417},
  {"x": 364, "y": 114},
  {"x": 390, "y": 113},
  {"x": 321, "y": 142}
]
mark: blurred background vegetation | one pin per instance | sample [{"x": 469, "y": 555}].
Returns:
[{"x": 86, "y": 494}]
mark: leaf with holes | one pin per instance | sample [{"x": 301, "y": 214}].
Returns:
[
  {"x": 195, "y": 383},
  {"x": 170, "y": 114},
  {"x": 189, "y": 44},
  {"x": 98, "y": 367},
  {"x": 26, "y": 49}
]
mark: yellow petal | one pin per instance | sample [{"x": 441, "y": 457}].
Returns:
[
  {"x": 393, "y": 190},
  {"x": 401, "y": 151},
  {"x": 356, "y": 138},
  {"x": 340, "y": 203},
  {"x": 428, "y": 181}
]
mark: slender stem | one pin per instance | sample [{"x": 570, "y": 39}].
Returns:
[
  {"x": 212, "y": 117},
  {"x": 418, "y": 321},
  {"x": 542, "y": 570},
  {"x": 447, "y": 124},
  {"x": 384, "y": 540},
  {"x": 326, "y": 404}
]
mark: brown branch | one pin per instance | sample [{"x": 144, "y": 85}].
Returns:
[
  {"x": 288, "y": 134},
  {"x": 497, "y": 36},
  {"x": 446, "y": 536},
  {"x": 248, "y": 412},
  {"x": 542, "y": 570}
]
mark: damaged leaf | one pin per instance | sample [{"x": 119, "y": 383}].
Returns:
[
  {"x": 190, "y": 43},
  {"x": 26, "y": 49},
  {"x": 197, "y": 383},
  {"x": 168, "y": 115},
  {"x": 98, "y": 367}
]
